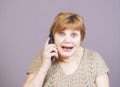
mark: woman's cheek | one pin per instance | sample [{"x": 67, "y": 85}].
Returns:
[{"x": 59, "y": 40}]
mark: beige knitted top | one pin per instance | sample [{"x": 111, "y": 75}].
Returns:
[{"x": 91, "y": 66}]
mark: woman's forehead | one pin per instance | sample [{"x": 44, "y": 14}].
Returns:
[{"x": 69, "y": 27}]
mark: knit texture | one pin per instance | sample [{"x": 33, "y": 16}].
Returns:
[{"x": 91, "y": 66}]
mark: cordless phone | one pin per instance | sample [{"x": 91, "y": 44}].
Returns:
[
  {"x": 50, "y": 42},
  {"x": 51, "y": 38}
]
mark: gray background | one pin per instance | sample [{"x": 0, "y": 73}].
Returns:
[{"x": 24, "y": 27}]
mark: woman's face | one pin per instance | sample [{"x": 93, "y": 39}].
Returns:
[{"x": 67, "y": 42}]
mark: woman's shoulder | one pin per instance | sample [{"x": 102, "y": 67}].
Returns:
[
  {"x": 36, "y": 63},
  {"x": 94, "y": 55},
  {"x": 90, "y": 51}
]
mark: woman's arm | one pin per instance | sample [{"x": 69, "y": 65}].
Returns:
[
  {"x": 36, "y": 80},
  {"x": 102, "y": 81}
]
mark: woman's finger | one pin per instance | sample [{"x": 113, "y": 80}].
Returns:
[{"x": 47, "y": 41}]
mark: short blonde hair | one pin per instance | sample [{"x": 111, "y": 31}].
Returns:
[{"x": 68, "y": 20}]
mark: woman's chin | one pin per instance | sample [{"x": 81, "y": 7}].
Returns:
[{"x": 66, "y": 54}]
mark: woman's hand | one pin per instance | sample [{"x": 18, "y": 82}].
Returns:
[{"x": 49, "y": 51}]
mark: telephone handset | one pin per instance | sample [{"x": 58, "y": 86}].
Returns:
[
  {"x": 50, "y": 42},
  {"x": 51, "y": 38}
]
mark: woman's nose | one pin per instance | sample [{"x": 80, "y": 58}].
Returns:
[{"x": 67, "y": 39}]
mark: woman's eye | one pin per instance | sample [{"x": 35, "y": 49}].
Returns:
[
  {"x": 61, "y": 34},
  {"x": 74, "y": 34}
]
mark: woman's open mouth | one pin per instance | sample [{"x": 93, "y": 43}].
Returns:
[{"x": 67, "y": 49}]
